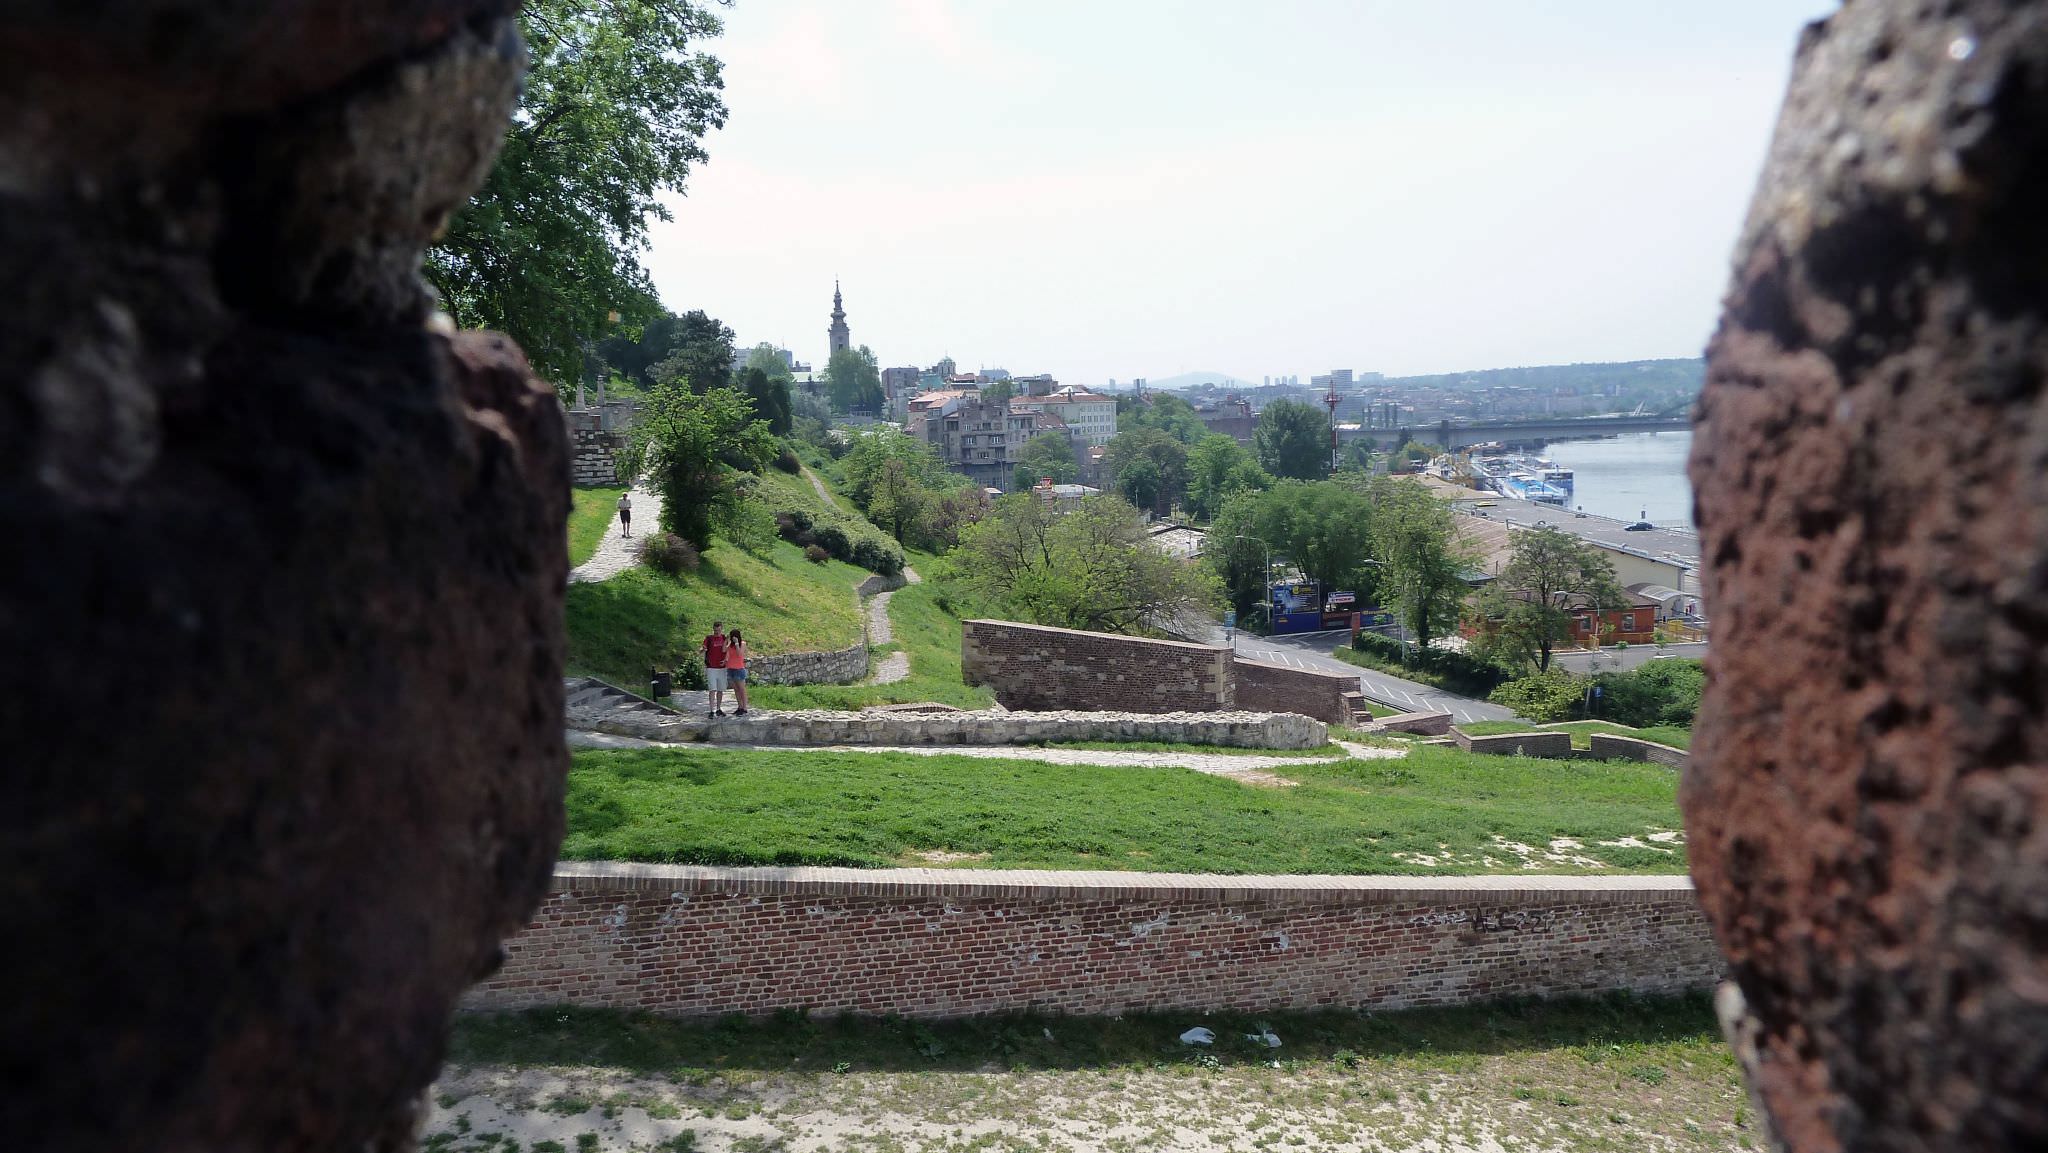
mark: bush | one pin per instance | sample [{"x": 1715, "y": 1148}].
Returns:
[
  {"x": 786, "y": 461},
  {"x": 834, "y": 540},
  {"x": 1661, "y": 692},
  {"x": 794, "y": 526},
  {"x": 877, "y": 557},
  {"x": 669, "y": 553},
  {"x": 1454, "y": 672},
  {"x": 816, "y": 555},
  {"x": 1552, "y": 696},
  {"x": 750, "y": 526}
]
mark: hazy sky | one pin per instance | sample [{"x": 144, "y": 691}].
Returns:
[{"x": 1121, "y": 188}]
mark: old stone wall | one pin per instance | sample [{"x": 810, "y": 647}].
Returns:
[
  {"x": 1420, "y": 724},
  {"x": 1282, "y": 688},
  {"x": 874, "y": 727},
  {"x": 940, "y": 943},
  {"x": 594, "y": 459},
  {"x": 1035, "y": 667},
  {"x": 832, "y": 667},
  {"x": 1531, "y": 744},
  {"x": 1613, "y": 748}
]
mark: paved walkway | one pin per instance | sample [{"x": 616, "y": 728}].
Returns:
[
  {"x": 619, "y": 552},
  {"x": 824, "y": 494},
  {"x": 1252, "y": 769}
]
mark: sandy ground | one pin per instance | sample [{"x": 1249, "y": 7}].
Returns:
[{"x": 1547, "y": 1100}]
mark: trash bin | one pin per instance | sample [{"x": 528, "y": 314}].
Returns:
[{"x": 660, "y": 684}]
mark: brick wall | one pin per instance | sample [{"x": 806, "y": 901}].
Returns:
[
  {"x": 1613, "y": 748},
  {"x": 695, "y": 941},
  {"x": 1555, "y": 744},
  {"x": 1270, "y": 688},
  {"x": 1034, "y": 667}
]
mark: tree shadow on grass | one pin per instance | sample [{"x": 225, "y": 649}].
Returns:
[{"x": 648, "y": 1045}]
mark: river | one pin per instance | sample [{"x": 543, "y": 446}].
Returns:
[{"x": 1636, "y": 475}]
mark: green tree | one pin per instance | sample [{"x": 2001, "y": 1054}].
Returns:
[
  {"x": 770, "y": 398},
  {"x": 1162, "y": 411},
  {"x": 853, "y": 381},
  {"x": 874, "y": 448},
  {"x": 1550, "y": 576},
  {"x": 1218, "y": 468},
  {"x": 1148, "y": 467},
  {"x": 1325, "y": 529},
  {"x": 1048, "y": 454},
  {"x": 1426, "y": 562},
  {"x": 1237, "y": 552},
  {"x": 633, "y": 353},
  {"x": 998, "y": 393},
  {"x": 1293, "y": 440},
  {"x": 700, "y": 352},
  {"x": 1088, "y": 568},
  {"x": 898, "y": 499},
  {"x": 613, "y": 113},
  {"x": 692, "y": 448},
  {"x": 768, "y": 359}
]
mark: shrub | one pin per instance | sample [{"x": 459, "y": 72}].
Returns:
[
  {"x": 834, "y": 540},
  {"x": 1661, "y": 692},
  {"x": 669, "y": 553},
  {"x": 816, "y": 555},
  {"x": 1455, "y": 672},
  {"x": 877, "y": 557},
  {"x": 786, "y": 461},
  {"x": 1551, "y": 696},
  {"x": 794, "y": 526},
  {"x": 750, "y": 526}
]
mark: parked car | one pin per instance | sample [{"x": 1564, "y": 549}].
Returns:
[{"x": 1639, "y": 526}]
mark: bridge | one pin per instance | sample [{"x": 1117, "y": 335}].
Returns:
[{"x": 1463, "y": 434}]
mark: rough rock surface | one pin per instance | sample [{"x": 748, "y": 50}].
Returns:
[
  {"x": 270, "y": 532},
  {"x": 1867, "y": 803}
]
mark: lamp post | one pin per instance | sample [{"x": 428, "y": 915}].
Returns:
[{"x": 1265, "y": 579}]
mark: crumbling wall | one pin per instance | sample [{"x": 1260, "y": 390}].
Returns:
[
  {"x": 281, "y": 701},
  {"x": 1867, "y": 800}
]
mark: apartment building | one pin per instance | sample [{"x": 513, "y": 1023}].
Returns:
[{"x": 1089, "y": 416}]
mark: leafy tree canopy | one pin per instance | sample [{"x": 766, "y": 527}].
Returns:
[
  {"x": 1293, "y": 440},
  {"x": 1218, "y": 468},
  {"x": 1048, "y": 454},
  {"x": 1148, "y": 467},
  {"x": 853, "y": 382},
  {"x": 614, "y": 110},
  {"x": 1088, "y": 568},
  {"x": 768, "y": 359},
  {"x": 692, "y": 448},
  {"x": 1162, "y": 411},
  {"x": 700, "y": 353},
  {"x": 770, "y": 398},
  {"x": 1550, "y": 575}
]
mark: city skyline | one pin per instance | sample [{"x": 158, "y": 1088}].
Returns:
[{"x": 1159, "y": 189}]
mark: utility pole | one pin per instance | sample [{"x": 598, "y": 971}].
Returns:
[{"x": 1330, "y": 398}]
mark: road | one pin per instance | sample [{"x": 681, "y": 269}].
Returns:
[
  {"x": 1312, "y": 651},
  {"x": 1634, "y": 656}
]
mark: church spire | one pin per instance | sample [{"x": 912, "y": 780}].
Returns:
[{"x": 841, "y": 338}]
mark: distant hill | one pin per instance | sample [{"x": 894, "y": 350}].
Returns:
[
  {"x": 1677, "y": 375},
  {"x": 1192, "y": 380}
]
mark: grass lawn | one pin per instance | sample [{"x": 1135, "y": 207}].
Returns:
[
  {"x": 1582, "y": 731},
  {"x": 931, "y": 636},
  {"x": 591, "y": 512},
  {"x": 1364, "y": 660},
  {"x": 620, "y": 627},
  {"x": 1435, "y": 811},
  {"x": 1613, "y": 1073}
]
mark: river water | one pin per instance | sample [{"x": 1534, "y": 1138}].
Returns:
[{"x": 1637, "y": 475}]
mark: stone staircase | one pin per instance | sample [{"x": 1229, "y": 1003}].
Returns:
[{"x": 592, "y": 701}]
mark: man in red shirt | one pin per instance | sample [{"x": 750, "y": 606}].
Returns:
[{"x": 714, "y": 667}]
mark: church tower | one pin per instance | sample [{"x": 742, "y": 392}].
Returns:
[{"x": 841, "y": 339}]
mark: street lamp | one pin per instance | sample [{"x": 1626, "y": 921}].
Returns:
[{"x": 1265, "y": 580}]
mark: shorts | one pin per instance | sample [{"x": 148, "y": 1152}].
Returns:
[
  {"x": 736, "y": 676},
  {"x": 714, "y": 680}
]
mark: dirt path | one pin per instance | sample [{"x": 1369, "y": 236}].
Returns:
[
  {"x": 619, "y": 552},
  {"x": 1540, "y": 1100},
  {"x": 894, "y": 666},
  {"x": 824, "y": 494},
  {"x": 1250, "y": 768}
]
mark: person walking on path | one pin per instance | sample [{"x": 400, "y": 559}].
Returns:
[
  {"x": 626, "y": 512},
  {"x": 714, "y": 667},
  {"x": 736, "y": 669}
]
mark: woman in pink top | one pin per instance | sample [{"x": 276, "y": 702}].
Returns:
[{"x": 736, "y": 669}]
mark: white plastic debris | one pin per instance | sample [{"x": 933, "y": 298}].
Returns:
[
  {"x": 1198, "y": 1036},
  {"x": 1265, "y": 1036}
]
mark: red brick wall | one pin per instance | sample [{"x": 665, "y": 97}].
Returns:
[
  {"x": 1039, "y": 668},
  {"x": 939, "y": 943},
  {"x": 1269, "y": 688}
]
